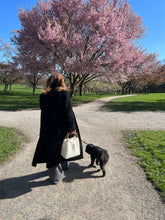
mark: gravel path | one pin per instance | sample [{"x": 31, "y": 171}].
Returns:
[{"x": 124, "y": 194}]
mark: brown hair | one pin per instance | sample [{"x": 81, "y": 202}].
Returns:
[{"x": 55, "y": 81}]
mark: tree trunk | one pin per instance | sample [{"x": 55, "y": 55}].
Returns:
[
  {"x": 35, "y": 81},
  {"x": 34, "y": 89},
  {"x": 6, "y": 87},
  {"x": 72, "y": 89},
  {"x": 81, "y": 89},
  {"x": 123, "y": 90}
]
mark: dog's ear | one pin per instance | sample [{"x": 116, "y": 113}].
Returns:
[{"x": 87, "y": 146}]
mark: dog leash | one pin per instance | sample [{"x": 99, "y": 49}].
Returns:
[{"x": 83, "y": 141}]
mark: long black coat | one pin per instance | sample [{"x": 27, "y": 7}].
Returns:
[{"x": 57, "y": 119}]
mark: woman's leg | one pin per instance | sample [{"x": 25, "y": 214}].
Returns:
[{"x": 55, "y": 173}]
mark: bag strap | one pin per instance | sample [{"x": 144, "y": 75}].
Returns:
[{"x": 67, "y": 135}]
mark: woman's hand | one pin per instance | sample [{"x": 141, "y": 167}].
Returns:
[{"x": 73, "y": 132}]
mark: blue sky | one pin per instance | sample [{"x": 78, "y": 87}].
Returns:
[{"x": 152, "y": 12}]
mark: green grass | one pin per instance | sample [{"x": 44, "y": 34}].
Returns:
[
  {"x": 77, "y": 100},
  {"x": 10, "y": 142},
  {"x": 20, "y": 98},
  {"x": 149, "y": 147},
  {"x": 149, "y": 102}
]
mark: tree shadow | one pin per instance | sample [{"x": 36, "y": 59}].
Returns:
[
  {"x": 16, "y": 101},
  {"x": 127, "y": 106},
  {"x": 17, "y": 186},
  {"x": 76, "y": 171}
]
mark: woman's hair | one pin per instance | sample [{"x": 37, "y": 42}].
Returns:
[{"x": 56, "y": 82}]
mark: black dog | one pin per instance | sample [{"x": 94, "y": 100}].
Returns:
[{"x": 98, "y": 153}]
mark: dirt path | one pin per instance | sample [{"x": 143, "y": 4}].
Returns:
[{"x": 124, "y": 194}]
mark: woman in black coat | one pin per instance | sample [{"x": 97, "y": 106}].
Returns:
[{"x": 57, "y": 119}]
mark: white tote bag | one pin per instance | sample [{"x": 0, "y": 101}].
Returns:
[{"x": 70, "y": 147}]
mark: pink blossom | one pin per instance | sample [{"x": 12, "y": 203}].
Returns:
[{"x": 82, "y": 37}]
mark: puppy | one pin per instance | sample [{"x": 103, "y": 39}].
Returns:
[{"x": 99, "y": 154}]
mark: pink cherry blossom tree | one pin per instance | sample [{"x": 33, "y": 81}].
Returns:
[
  {"x": 9, "y": 69},
  {"x": 149, "y": 76},
  {"x": 9, "y": 74},
  {"x": 85, "y": 39},
  {"x": 137, "y": 71},
  {"x": 34, "y": 67}
]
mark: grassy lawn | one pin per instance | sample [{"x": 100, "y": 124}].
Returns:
[
  {"x": 10, "y": 142},
  {"x": 149, "y": 102},
  {"x": 149, "y": 147},
  {"x": 21, "y": 98},
  {"x": 77, "y": 100}
]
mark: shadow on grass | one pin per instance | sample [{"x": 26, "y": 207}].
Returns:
[
  {"x": 24, "y": 100},
  {"x": 78, "y": 100},
  {"x": 134, "y": 106},
  {"x": 18, "y": 101}
]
